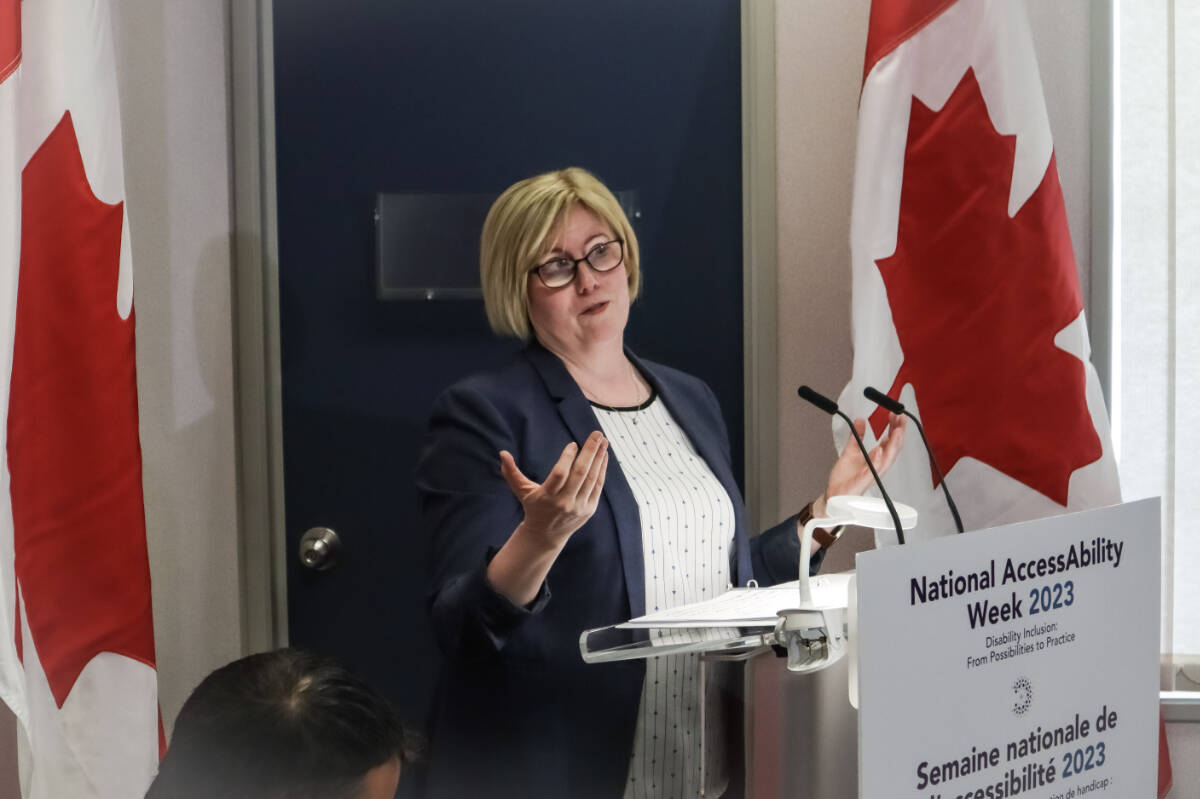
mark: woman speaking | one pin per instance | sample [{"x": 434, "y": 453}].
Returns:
[{"x": 573, "y": 488}]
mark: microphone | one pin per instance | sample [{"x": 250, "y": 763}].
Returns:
[
  {"x": 886, "y": 402},
  {"x": 879, "y": 398},
  {"x": 830, "y": 407},
  {"x": 820, "y": 400}
]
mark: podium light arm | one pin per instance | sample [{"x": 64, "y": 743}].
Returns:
[{"x": 806, "y": 554}]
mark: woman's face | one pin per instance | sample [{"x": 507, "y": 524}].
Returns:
[{"x": 594, "y": 307}]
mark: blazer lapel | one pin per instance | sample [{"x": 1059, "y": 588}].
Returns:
[{"x": 576, "y": 413}]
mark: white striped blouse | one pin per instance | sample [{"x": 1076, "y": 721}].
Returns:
[{"x": 687, "y": 535}]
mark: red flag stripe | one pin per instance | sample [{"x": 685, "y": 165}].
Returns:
[
  {"x": 10, "y": 37},
  {"x": 1166, "y": 779},
  {"x": 893, "y": 22},
  {"x": 20, "y": 644}
]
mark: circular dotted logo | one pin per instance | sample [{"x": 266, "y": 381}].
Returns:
[{"x": 1023, "y": 696}]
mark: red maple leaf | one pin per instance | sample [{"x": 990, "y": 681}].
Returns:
[
  {"x": 977, "y": 298},
  {"x": 73, "y": 450}
]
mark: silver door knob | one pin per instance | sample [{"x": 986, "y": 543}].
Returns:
[{"x": 319, "y": 548}]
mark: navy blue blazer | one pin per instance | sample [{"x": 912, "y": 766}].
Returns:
[{"x": 519, "y": 713}]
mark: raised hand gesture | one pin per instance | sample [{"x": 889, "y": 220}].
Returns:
[
  {"x": 850, "y": 474},
  {"x": 554, "y": 510},
  {"x": 562, "y": 504}
]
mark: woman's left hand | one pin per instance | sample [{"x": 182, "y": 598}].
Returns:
[{"x": 850, "y": 474}]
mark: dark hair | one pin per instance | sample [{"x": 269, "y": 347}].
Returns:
[{"x": 286, "y": 724}]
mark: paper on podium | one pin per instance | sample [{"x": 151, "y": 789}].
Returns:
[{"x": 750, "y": 607}]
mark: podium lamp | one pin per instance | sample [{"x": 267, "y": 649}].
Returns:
[{"x": 814, "y": 634}]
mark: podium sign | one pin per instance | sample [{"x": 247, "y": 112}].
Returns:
[{"x": 1020, "y": 661}]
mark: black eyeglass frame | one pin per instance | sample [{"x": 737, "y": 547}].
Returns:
[{"x": 575, "y": 262}]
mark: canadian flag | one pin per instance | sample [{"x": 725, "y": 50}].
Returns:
[
  {"x": 76, "y": 635},
  {"x": 966, "y": 300}
]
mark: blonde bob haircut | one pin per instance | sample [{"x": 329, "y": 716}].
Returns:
[{"x": 518, "y": 233}]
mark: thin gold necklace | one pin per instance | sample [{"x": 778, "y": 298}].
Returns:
[{"x": 636, "y": 390}]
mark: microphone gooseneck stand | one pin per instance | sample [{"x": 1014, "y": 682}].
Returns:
[
  {"x": 830, "y": 407},
  {"x": 897, "y": 407}
]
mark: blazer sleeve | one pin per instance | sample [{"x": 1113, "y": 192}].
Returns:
[
  {"x": 775, "y": 554},
  {"x": 470, "y": 512}
]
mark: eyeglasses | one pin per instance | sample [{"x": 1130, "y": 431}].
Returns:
[{"x": 558, "y": 272}]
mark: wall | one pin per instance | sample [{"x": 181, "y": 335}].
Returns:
[
  {"x": 173, "y": 77},
  {"x": 819, "y": 50}
]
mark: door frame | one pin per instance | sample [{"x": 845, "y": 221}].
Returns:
[
  {"x": 257, "y": 371},
  {"x": 760, "y": 264}
]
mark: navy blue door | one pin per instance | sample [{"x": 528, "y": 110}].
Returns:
[{"x": 463, "y": 97}]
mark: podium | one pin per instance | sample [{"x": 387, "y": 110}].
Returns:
[
  {"x": 1021, "y": 660},
  {"x": 806, "y": 619}
]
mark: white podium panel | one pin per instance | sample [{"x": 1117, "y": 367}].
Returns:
[{"x": 1020, "y": 661}]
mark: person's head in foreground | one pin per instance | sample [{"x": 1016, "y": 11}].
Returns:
[{"x": 286, "y": 724}]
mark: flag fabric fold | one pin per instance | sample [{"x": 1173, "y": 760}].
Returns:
[
  {"x": 966, "y": 302},
  {"x": 77, "y": 663}
]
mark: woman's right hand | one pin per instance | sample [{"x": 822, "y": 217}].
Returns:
[{"x": 563, "y": 503}]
